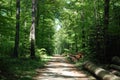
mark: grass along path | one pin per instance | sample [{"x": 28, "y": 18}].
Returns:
[{"x": 58, "y": 68}]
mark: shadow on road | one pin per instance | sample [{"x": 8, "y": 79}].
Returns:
[{"x": 58, "y": 68}]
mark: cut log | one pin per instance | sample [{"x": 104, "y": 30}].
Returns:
[
  {"x": 78, "y": 56},
  {"x": 72, "y": 58},
  {"x": 116, "y": 60},
  {"x": 75, "y": 57},
  {"x": 115, "y": 72},
  {"x": 100, "y": 72},
  {"x": 116, "y": 67}
]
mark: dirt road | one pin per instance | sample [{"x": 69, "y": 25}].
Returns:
[{"x": 58, "y": 68}]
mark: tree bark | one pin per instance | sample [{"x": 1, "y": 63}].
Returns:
[
  {"x": 32, "y": 30},
  {"x": 37, "y": 22},
  {"x": 16, "y": 46},
  {"x": 106, "y": 24},
  {"x": 106, "y": 14},
  {"x": 100, "y": 72}
]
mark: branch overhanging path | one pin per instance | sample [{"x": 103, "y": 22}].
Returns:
[{"x": 58, "y": 68}]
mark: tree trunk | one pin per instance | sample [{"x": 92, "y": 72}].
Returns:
[
  {"x": 16, "y": 46},
  {"x": 83, "y": 30},
  {"x": 100, "y": 72},
  {"x": 106, "y": 23},
  {"x": 97, "y": 40},
  {"x": 76, "y": 43},
  {"x": 32, "y": 30},
  {"x": 37, "y": 23}
]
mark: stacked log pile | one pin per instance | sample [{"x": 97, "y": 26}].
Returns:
[
  {"x": 115, "y": 66},
  {"x": 101, "y": 73},
  {"x": 75, "y": 57}
]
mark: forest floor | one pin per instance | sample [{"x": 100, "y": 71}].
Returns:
[{"x": 59, "y": 68}]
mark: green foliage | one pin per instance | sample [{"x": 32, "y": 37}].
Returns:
[
  {"x": 20, "y": 69},
  {"x": 80, "y": 28},
  {"x": 45, "y": 30},
  {"x": 41, "y": 52},
  {"x": 6, "y": 29}
]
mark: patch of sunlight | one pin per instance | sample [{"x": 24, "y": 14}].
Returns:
[
  {"x": 58, "y": 27},
  {"x": 66, "y": 10},
  {"x": 57, "y": 24},
  {"x": 77, "y": 4},
  {"x": 72, "y": 74},
  {"x": 68, "y": 2},
  {"x": 67, "y": 73},
  {"x": 117, "y": 4},
  {"x": 56, "y": 21}
]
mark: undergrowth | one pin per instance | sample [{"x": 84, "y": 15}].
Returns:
[{"x": 21, "y": 68}]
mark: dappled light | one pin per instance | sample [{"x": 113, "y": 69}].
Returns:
[
  {"x": 58, "y": 68},
  {"x": 60, "y": 39}
]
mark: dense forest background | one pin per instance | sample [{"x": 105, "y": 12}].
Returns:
[
  {"x": 31, "y": 28},
  {"x": 62, "y": 26}
]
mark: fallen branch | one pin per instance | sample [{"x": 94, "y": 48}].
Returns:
[{"x": 100, "y": 72}]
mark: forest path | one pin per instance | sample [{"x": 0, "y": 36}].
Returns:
[{"x": 58, "y": 68}]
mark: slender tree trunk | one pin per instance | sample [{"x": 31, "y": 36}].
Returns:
[
  {"x": 32, "y": 30},
  {"x": 106, "y": 23},
  {"x": 76, "y": 43},
  {"x": 16, "y": 47},
  {"x": 97, "y": 33},
  {"x": 83, "y": 29},
  {"x": 106, "y": 13},
  {"x": 10, "y": 6},
  {"x": 37, "y": 23}
]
